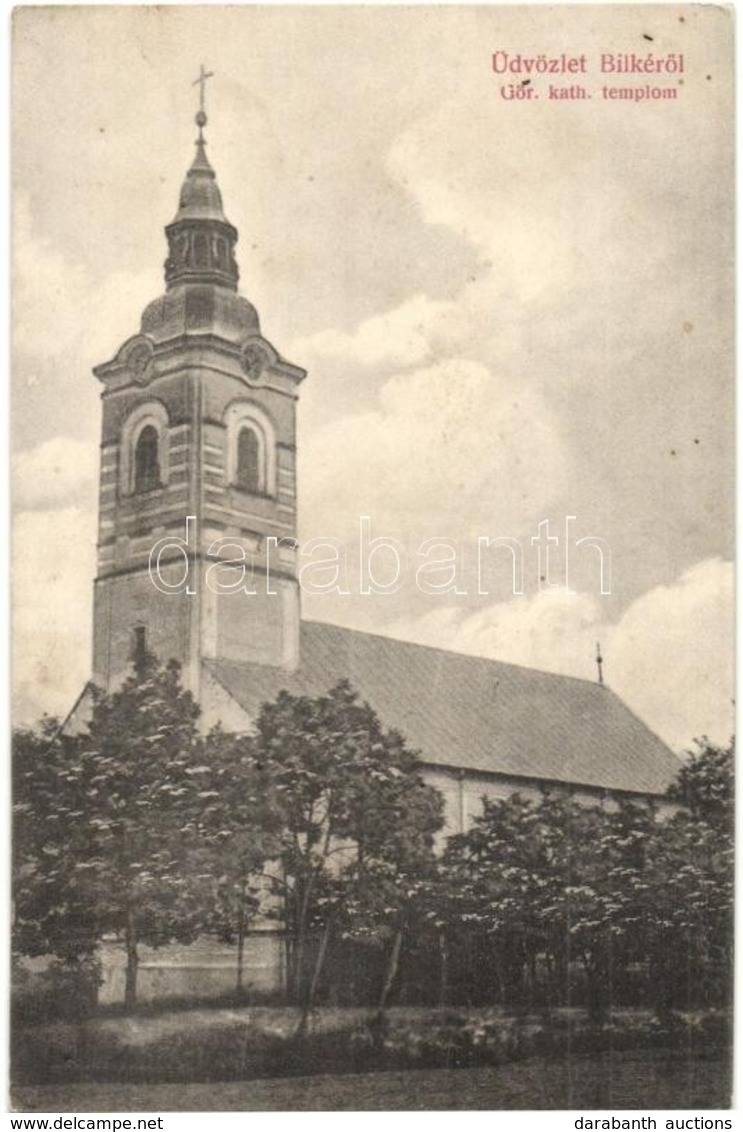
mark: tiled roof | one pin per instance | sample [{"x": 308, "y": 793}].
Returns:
[{"x": 473, "y": 713}]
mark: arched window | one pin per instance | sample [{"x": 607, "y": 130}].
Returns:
[
  {"x": 200, "y": 250},
  {"x": 248, "y": 471},
  {"x": 144, "y": 462},
  {"x": 251, "y": 449},
  {"x": 147, "y": 460}
]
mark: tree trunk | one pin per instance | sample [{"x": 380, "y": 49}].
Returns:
[
  {"x": 240, "y": 948},
  {"x": 298, "y": 966},
  {"x": 532, "y": 978},
  {"x": 492, "y": 957},
  {"x": 301, "y": 941},
  {"x": 132, "y": 962},
  {"x": 392, "y": 967},
  {"x": 309, "y": 1001},
  {"x": 444, "y": 971},
  {"x": 319, "y": 961},
  {"x": 566, "y": 966},
  {"x": 596, "y": 976}
]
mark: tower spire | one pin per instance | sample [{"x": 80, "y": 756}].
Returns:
[
  {"x": 201, "y": 240},
  {"x": 599, "y": 662}
]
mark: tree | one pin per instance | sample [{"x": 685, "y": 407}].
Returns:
[
  {"x": 356, "y": 816},
  {"x": 148, "y": 794},
  {"x": 51, "y": 915},
  {"x": 691, "y": 883},
  {"x": 494, "y": 872},
  {"x": 543, "y": 884},
  {"x": 687, "y": 906},
  {"x": 384, "y": 888},
  {"x": 595, "y": 911},
  {"x": 121, "y": 821},
  {"x": 242, "y": 830},
  {"x": 705, "y": 784},
  {"x": 539, "y": 885}
]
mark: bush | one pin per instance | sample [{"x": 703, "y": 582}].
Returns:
[
  {"x": 247, "y": 1044},
  {"x": 62, "y": 990}
]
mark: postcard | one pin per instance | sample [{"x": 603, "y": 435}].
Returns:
[{"x": 373, "y": 463}]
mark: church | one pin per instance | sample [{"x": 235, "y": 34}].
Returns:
[{"x": 199, "y": 422}]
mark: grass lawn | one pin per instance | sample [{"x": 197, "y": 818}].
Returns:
[{"x": 621, "y": 1080}]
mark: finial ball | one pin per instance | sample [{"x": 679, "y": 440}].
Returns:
[{"x": 201, "y": 119}]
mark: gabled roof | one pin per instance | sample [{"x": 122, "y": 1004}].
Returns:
[{"x": 472, "y": 713}]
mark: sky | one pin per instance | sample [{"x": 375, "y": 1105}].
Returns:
[{"x": 511, "y": 311}]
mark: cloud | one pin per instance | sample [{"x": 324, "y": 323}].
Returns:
[
  {"x": 66, "y": 320},
  {"x": 56, "y": 473},
  {"x": 452, "y": 450},
  {"x": 410, "y": 334},
  {"x": 669, "y": 656},
  {"x": 47, "y": 290},
  {"x": 566, "y": 284},
  {"x": 672, "y": 654},
  {"x": 53, "y": 567}
]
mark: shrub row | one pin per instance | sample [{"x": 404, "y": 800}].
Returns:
[{"x": 239, "y": 1045}]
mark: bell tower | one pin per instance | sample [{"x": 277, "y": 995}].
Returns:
[{"x": 197, "y": 519}]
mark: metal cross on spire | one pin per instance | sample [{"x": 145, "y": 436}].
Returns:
[{"x": 201, "y": 82}]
